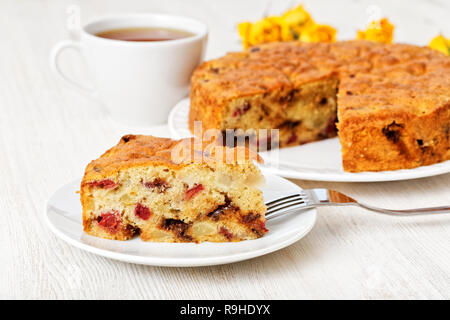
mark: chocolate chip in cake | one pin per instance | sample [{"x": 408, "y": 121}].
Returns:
[
  {"x": 323, "y": 101},
  {"x": 290, "y": 124},
  {"x": 250, "y": 217},
  {"x": 289, "y": 97},
  {"x": 158, "y": 184},
  {"x": 265, "y": 109},
  {"x": 422, "y": 146},
  {"x": 255, "y": 49},
  {"x": 349, "y": 93},
  {"x": 128, "y": 137},
  {"x": 178, "y": 227},
  {"x": 221, "y": 210},
  {"x": 393, "y": 131}
]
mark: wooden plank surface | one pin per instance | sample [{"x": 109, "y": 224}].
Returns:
[{"x": 48, "y": 133}]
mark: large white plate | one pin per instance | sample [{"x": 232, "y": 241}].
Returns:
[
  {"x": 64, "y": 218},
  {"x": 312, "y": 161}
]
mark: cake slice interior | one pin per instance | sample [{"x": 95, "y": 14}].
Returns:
[
  {"x": 305, "y": 113},
  {"x": 136, "y": 188}
]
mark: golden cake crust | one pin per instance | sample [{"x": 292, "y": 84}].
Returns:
[
  {"x": 130, "y": 151},
  {"x": 378, "y": 83},
  {"x": 145, "y": 150},
  {"x": 282, "y": 64}
]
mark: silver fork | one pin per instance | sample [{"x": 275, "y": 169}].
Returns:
[{"x": 323, "y": 197}]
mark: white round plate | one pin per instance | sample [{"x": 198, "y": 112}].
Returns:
[
  {"x": 64, "y": 218},
  {"x": 319, "y": 160}
]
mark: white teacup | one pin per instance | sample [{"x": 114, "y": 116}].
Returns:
[{"x": 139, "y": 82}]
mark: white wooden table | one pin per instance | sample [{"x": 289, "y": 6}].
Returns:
[{"x": 48, "y": 133}]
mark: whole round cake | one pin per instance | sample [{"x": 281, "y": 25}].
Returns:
[{"x": 388, "y": 103}]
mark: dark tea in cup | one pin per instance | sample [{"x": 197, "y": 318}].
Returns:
[{"x": 144, "y": 34}]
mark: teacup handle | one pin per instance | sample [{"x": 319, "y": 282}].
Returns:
[{"x": 54, "y": 63}]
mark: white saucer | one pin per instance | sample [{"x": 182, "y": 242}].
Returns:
[
  {"x": 319, "y": 160},
  {"x": 63, "y": 216}
]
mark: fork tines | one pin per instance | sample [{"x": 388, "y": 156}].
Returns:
[{"x": 285, "y": 202}]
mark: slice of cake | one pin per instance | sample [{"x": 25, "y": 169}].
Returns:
[{"x": 173, "y": 191}]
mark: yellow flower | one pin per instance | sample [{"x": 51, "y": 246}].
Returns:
[
  {"x": 318, "y": 33},
  {"x": 379, "y": 31},
  {"x": 266, "y": 30},
  {"x": 297, "y": 16},
  {"x": 292, "y": 22},
  {"x": 441, "y": 44},
  {"x": 244, "y": 32}
]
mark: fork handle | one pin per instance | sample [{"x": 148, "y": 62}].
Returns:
[
  {"x": 324, "y": 197},
  {"x": 392, "y": 212},
  {"x": 407, "y": 212}
]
